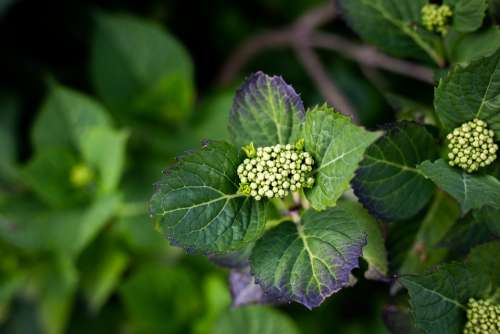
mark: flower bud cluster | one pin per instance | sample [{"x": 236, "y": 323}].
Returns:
[
  {"x": 472, "y": 146},
  {"x": 436, "y": 18},
  {"x": 275, "y": 171},
  {"x": 482, "y": 317}
]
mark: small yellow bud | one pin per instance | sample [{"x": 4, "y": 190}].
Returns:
[{"x": 81, "y": 175}]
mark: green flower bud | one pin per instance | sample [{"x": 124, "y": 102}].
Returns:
[
  {"x": 471, "y": 153},
  {"x": 482, "y": 317},
  {"x": 436, "y": 18},
  {"x": 274, "y": 171},
  {"x": 81, "y": 175}
]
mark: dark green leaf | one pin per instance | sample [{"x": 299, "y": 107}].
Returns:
[
  {"x": 470, "y": 190},
  {"x": 438, "y": 299},
  {"x": 309, "y": 260},
  {"x": 137, "y": 66},
  {"x": 387, "y": 182},
  {"x": 337, "y": 146},
  {"x": 467, "y": 14},
  {"x": 393, "y": 27},
  {"x": 467, "y": 47},
  {"x": 374, "y": 252},
  {"x": 469, "y": 92},
  {"x": 266, "y": 111},
  {"x": 471, "y": 231},
  {"x": 439, "y": 219},
  {"x": 8, "y": 145},
  {"x": 197, "y": 204},
  {"x": 255, "y": 320}
]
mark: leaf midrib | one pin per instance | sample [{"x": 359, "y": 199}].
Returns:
[
  {"x": 226, "y": 197},
  {"x": 483, "y": 100},
  {"x": 405, "y": 29}
]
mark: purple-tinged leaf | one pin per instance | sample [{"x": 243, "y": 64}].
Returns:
[
  {"x": 245, "y": 291},
  {"x": 309, "y": 260},
  {"x": 266, "y": 111}
]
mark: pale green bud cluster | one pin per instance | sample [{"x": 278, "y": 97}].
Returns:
[
  {"x": 472, "y": 146},
  {"x": 482, "y": 317},
  {"x": 436, "y": 18},
  {"x": 275, "y": 171}
]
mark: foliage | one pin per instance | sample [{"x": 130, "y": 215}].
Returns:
[{"x": 378, "y": 209}]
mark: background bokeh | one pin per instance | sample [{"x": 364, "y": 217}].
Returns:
[{"x": 96, "y": 98}]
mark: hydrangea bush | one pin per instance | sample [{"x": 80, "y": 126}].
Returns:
[{"x": 300, "y": 197}]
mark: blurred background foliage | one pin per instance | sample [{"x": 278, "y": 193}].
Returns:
[{"x": 96, "y": 98}]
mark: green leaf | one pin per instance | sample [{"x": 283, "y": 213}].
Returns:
[
  {"x": 32, "y": 229},
  {"x": 213, "y": 118},
  {"x": 138, "y": 67},
  {"x": 266, "y": 111},
  {"x": 197, "y": 205},
  {"x": 56, "y": 284},
  {"x": 48, "y": 175},
  {"x": 468, "y": 15},
  {"x": 216, "y": 302},
  {"x": 392, "y": 26},
  {"x": 104, "y": 149},
  {"x": 374, "y": 252},
  {"x": 101, "y": 266},
  {"x": 337, "y": 147},
  {"x": 469, "y": 92},
  {"x": 464, "y": 48},
  {"x": 255, "y": 320},
  {"x": 438, "y": 221},
  {"x": 470, "y": 190},
  {"x": 309, "y": 260},
  {"x": 478, "y": 227},
  {"x": 64, "y": 117},
  {"x": 387, "y": 182},
  {"x": 8, "y": 146},
  {"x": 438, "y": 299},
  {"x": 160, "y": 299}
]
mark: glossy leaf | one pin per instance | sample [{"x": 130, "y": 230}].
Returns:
[
  {"x": 266, "y": 111},
  {"x": 387, "y": 181},
  {"x": 337, "y": 146},
  {"x": 469, "y": 92},
  {"x": 138, "y": 67},
  {"x": 392, "y": 26},
  {"x": 255, "y": 320},
  {"x": 472, "y": 191},
  {"x": 309, "y": 260},
  {"x": 197, "y": 204}
]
